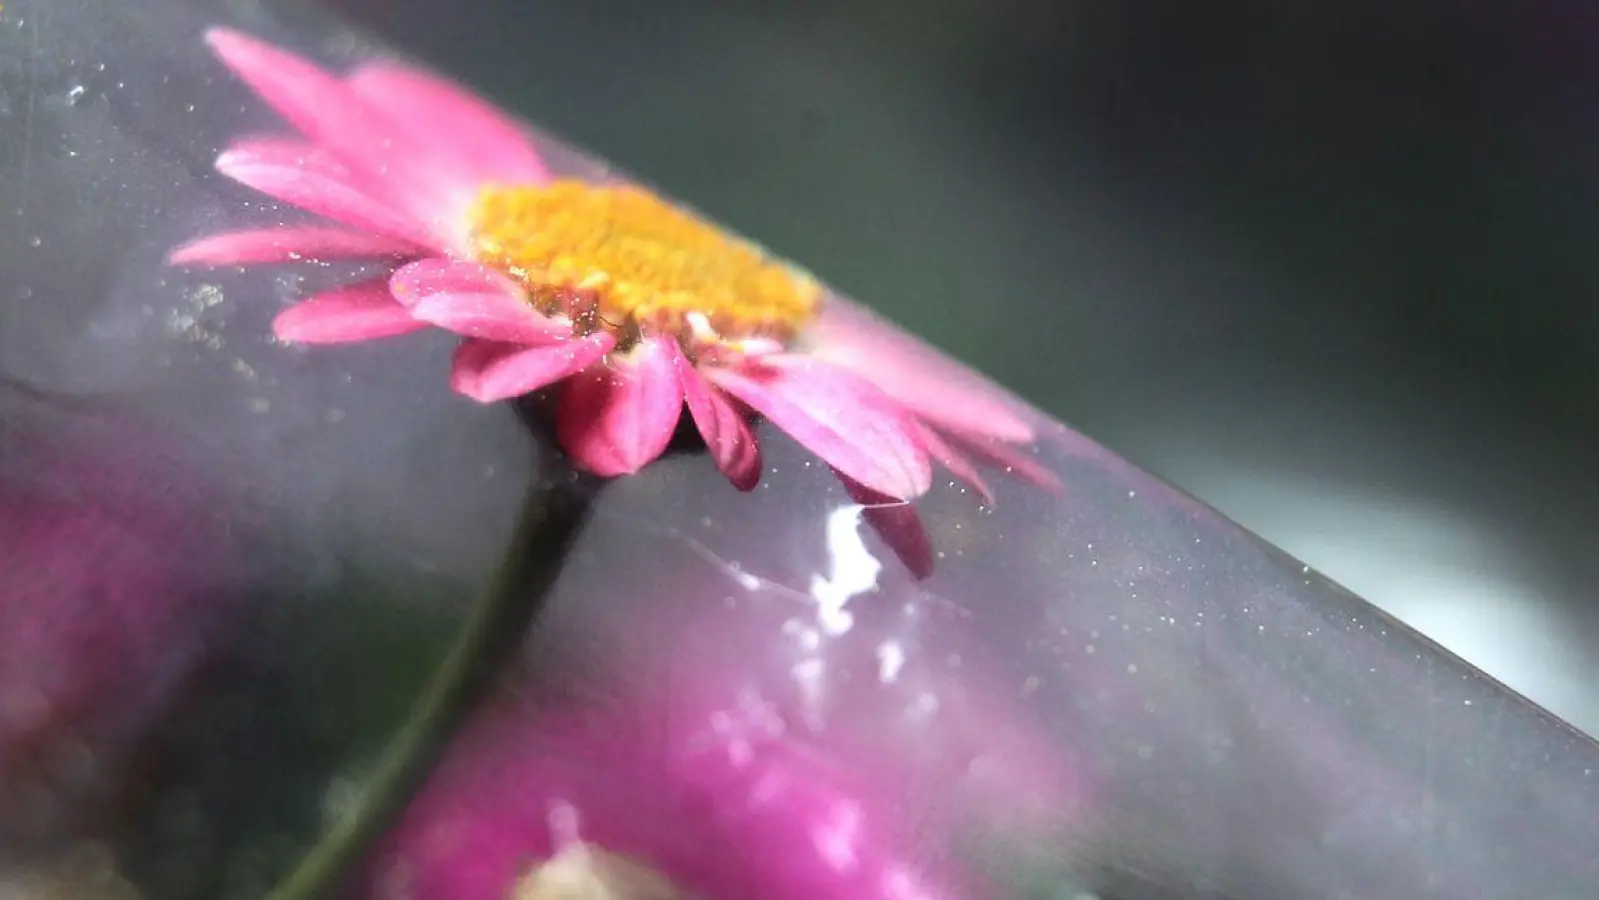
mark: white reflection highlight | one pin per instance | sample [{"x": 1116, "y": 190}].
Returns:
[
  {"x": 890, "y": 660},
  {"x": 810, "y": 677},
  {"x": 836, "y": 837},
  {"x": 852, "y": 570}
]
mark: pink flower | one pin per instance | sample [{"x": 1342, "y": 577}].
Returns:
[
  {"x": 109, "y": 600},
  {"x": 628, "y": 307},
  {"x": 699, "y": 802},
  {"x": 905, "y": 690}
]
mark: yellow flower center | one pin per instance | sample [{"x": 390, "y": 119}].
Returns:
[{"x": 620, "y": 258}]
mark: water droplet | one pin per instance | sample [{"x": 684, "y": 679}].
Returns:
[{"x": 36, "y": 241}]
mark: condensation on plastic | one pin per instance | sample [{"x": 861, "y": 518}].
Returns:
[{"x": 1199, "y": 715}]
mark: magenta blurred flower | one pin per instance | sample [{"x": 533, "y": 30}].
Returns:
[
  {"x": 632, "y": 306},
  {"x": 963, "y": 735},
  {"x": 104, "y": 611},
  {"x": 707, "y": 803},
  {"x": 922, "y": 703}
]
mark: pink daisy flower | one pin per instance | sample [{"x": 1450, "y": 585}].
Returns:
[
  {"x": 688, "y": 803},
  {"x": 627, "y": 307}
]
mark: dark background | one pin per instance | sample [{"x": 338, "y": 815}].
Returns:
[{"x": 1331, "y": 267}]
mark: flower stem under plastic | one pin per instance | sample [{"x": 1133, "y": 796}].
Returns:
[{"x": 552, "y": 516}]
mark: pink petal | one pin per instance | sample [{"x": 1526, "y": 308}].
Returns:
[
  {"x": 331, "y": 114},
  {"x": 357, "y": 312},
  {"x": 280, "y": 245},
  {"x": 725, "y": 429},
  {"x": 1014, "y": 460},
  {"x": 951, "y": 459},
  {"x": 614, "y": 420},
  {"x": 928, "y": 383},
  {"x": 475, "y": 301},
  {"x": 489, "y": 372},
  {"x": 897, "y": 523},
  {"x": 839, "y": 416},
  {"x": 308, "y": 97},
  {"x": 480, "y": 141},
  {"x": 309, "y": 177}
]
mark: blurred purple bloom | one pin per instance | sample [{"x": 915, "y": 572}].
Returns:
[
  {"x": 105, "y": 609},
  {"x": 701, "y": 801}
]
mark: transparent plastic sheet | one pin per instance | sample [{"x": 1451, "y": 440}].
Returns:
[{"x": 1109, "y": 690}]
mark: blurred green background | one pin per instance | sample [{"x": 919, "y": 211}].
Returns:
[{"x": 1330, "y": 267}]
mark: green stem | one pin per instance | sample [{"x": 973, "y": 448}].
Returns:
[{"x": 552, "y": 516}]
